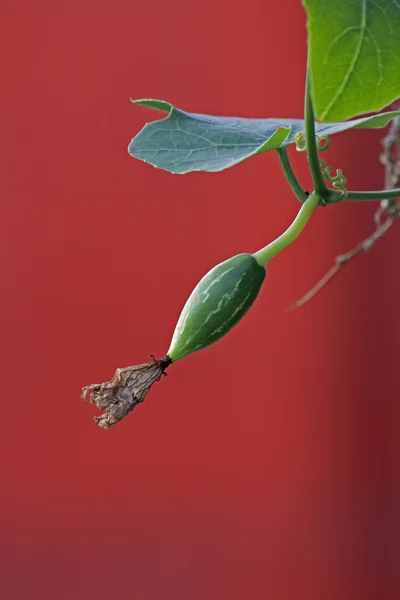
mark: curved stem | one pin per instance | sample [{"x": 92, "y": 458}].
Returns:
[
  {"x": 335, "y": 196},
  {"x": 318, "y": 180},
  {"x": 291, "y": 233},
  {"x": 290, "y": 174}
]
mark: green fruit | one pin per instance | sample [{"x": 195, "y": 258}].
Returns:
[{"x": 216, "y": 304}]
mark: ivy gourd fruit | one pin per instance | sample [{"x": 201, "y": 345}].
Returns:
[{"x": 217, "y": 304}]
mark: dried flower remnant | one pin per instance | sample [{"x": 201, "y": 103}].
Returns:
[{"x": 127, "y": 388}]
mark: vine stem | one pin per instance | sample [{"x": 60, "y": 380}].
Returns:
[
  {"x": 291, "y": 233},
  {"x": 386, "y": 215},
  {"x": 335, "y": 196},
  {"x": 312, "y": 153},
  {"x": 290, "y": 174}
]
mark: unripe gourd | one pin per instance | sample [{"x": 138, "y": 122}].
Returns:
[{"x": 217, "y": 304}]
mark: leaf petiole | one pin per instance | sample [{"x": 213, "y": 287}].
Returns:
[
  {"x": 312, "y": 152},
  {"x": 290, "y": 174}
]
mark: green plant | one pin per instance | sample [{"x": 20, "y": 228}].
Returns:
[{"x": 353, "y": 68}]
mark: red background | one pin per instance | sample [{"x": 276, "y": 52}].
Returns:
[{"x": 266, "y": 466}]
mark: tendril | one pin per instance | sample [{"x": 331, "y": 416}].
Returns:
[
  {"x": 300, "y": 141},
  {"x": 338, "y": 181},
  {"x": 323, "y": 142}
]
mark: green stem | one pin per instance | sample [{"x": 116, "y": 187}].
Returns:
[
  {"x": 265, "y": 254},
  {"x": 335, "y": 196},
  {"x": 312, "y": 153},
  {"x": 290, "y": 174}
]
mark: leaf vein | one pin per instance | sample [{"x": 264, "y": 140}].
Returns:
[{"x": 353, "y": 61}]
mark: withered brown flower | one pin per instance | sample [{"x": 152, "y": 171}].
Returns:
[{"x": 126, "y": 389}]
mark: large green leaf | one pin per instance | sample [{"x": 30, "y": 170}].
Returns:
[
  {"x": 184, "y": 142},
  {"x": 354, "y": 54}
]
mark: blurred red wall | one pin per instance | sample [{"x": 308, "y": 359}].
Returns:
[{"x": 264, "y": 467}]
